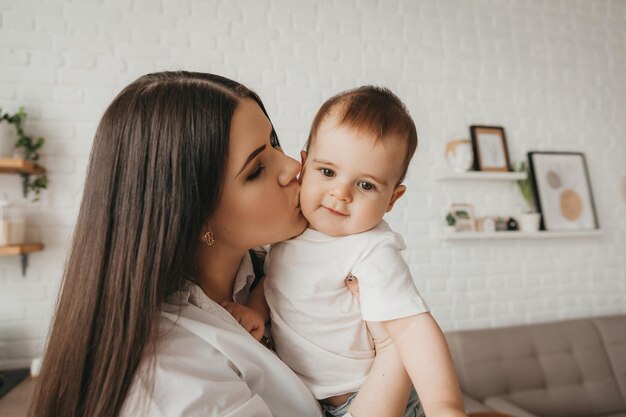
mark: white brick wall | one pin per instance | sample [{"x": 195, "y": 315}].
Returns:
[{"x": 552, "y": 72}]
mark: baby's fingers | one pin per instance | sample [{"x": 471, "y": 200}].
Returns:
[
  {"x": 257, "y": 331},
  {"x": 230, "y": 307},
  {"x": 353, "y": 284}
]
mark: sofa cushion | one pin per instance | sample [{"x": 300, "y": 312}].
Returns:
[
  {"x": 552, "y": 369},
  {"x": 613, "y": 332}
]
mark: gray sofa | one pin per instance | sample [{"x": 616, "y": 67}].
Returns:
[{"x": 571, "y": 368}]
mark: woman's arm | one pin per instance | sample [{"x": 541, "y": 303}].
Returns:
[
  {"x": 424, "y": 352},
  {"x": 386, "y": 389}
]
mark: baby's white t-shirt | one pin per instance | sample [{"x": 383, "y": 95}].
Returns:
[{"x": 317, "y": 323}]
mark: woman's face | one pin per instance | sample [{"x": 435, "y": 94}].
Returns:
[{"x": 260, "y": 200}]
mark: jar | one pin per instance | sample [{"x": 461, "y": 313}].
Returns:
[
  {"x": 5, "y": 227},
  {"x": 17, "y": 226}
]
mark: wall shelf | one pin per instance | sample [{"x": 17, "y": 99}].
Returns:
[
  {"x": 519, "y": 235},
  {"x": 22, "y": 167},
  {"x": 23, "y": 251},
  {"x": 25, "y": 169},
  {"x": 482, "y": 175},
  {"x": 19, "y": 166}
]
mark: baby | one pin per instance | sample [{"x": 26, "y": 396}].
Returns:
[{"x": 354, "y": 162}]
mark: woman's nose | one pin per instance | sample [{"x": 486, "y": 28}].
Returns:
[{"x": 290, "y": 171}]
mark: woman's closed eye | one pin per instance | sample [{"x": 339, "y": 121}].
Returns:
[{"x": 256, "y": 173}]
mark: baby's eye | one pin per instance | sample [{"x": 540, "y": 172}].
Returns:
[
  {"x": 327, "y": 172},
  {"x": 366, "y": 186}
]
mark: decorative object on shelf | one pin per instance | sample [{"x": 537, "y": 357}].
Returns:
[
  {"x": 529, "y": 220},
  {"x": 505, "y": 235},
  {"x": 459, "y": 155},
  {"x": 25, "y": 147},
  {"x": 5, "y": 225},
  {"x": 501, "y": 223},
  {"x": 490, "y": 150},
  {"x": 563, "y": 190},
  {"x": 525, "y": 186},
  {"x": 7, "y": 138},
  {"x": 481, "y": 176},
  {"x": 12, "y": 223},
  {"x": 463, "y": 215},
  {"x": 512, "y": 225},
  {"x": 486, "y": 224},
  {"x": 450, "y": 221}
]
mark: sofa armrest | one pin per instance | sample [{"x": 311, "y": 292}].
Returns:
[
  {"x": 473, "y": 406},
  {"x": 506, "y": 407}
]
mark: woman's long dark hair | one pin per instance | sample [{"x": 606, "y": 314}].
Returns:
[{"x": 155, "y": 175}]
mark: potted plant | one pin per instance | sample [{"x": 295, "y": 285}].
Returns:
[
  {"x": 450, "y": 221},
  {"x": 22, "y": 146},
  {"x": 529, "y": 220}
]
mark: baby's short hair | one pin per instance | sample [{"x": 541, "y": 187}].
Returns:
[{"x": 374, "y": 111}]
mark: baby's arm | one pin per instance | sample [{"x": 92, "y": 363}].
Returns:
[
  {"x": 254, "y": 314},
  {"x": 426, "y": 357}
]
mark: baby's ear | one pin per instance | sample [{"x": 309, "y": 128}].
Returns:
[
  {"x": 397, "y": 193},
  {"x": 303, "y": 155}
]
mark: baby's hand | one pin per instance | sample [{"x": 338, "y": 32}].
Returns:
[
  {"x": 352, "y": 283},
  {"x": 248, "y": 318}
]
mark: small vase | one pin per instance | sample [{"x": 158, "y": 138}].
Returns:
[
  {"x": 7, "y": 139},
  {"x": 529, "y": 222},
  {"x": 459, "y": 155}
]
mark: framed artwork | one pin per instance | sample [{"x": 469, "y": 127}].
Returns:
[
  {"x": 490, "y": 150},
  {"x": 464, "y": 217},
  {"x": 562, "y": 190}
]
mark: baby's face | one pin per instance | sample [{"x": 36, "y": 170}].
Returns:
[{"x": 349, "y": 181}]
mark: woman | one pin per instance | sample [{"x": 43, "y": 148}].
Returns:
[{"x": 186, "y": 175}]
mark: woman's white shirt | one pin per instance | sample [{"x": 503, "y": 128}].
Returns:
[{"x": 206, "y": 364}]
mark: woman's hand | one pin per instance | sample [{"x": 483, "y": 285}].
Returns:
[
  {"x": 377, "y": 330},
  {"x": 249, "y": 319}
]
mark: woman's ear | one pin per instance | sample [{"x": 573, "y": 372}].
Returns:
[
  {"x": 397, "y": 193},
  {"x": 206, "y": 228}
]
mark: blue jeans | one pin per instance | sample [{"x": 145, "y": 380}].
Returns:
[{"x": 413, "y": 407}]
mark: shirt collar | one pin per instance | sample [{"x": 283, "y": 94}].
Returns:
[
  {"x": 191, "y": 293},
  {"x": 244, "y": 278}
]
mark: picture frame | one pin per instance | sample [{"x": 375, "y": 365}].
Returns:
[
  {"x": 562, "y": 191},
  {"x": 465, "y": 220},
  {"x": 490, "y": 148}
]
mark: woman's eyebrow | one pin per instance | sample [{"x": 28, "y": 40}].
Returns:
[{"x": 252, "y": 156}]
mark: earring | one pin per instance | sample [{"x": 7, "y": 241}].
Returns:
[{"x": 208, "y": 239}]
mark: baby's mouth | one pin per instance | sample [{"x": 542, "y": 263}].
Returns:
[{"x": 335, "y": 212}]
